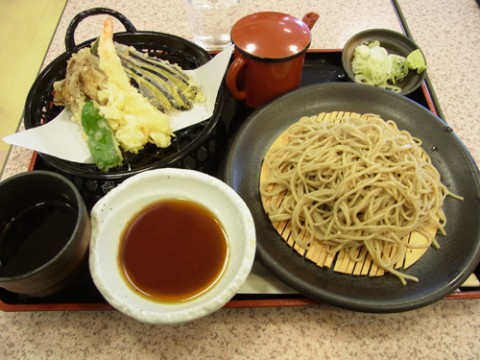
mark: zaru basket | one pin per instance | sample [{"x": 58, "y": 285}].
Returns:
[{"x": 194, "y": 148}]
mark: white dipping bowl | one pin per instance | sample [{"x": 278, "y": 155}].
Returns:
[{"x": 111, "y": 214}]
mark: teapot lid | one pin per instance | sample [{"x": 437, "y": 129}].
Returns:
[{"x": 271, "y": 35}]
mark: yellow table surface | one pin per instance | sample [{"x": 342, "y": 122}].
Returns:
[{"x": 30, "y": 23}]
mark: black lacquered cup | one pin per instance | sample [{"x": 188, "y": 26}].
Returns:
[{"x": 44, "y": 234}]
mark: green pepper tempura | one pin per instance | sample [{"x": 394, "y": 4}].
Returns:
[{"x": 101, "y": 140}]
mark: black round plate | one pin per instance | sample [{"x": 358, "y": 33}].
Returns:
[
  {"x": 394, "y": 43},
  {"x": 440, "y": 271}
]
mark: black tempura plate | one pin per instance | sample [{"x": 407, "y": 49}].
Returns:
[{"x": 440, "y": 271}]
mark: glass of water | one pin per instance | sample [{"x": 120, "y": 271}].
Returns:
[{"x": 212, "y": 20}]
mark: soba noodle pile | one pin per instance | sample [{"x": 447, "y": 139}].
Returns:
[{"x": 354, "y": 181}]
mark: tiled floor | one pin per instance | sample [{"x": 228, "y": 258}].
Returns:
[{"x": 26, "y": 27}]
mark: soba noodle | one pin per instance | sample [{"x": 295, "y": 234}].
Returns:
[{"x": 354, "y": 181}]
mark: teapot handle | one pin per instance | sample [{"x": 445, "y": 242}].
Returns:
[{"x": 232, "y": 75}]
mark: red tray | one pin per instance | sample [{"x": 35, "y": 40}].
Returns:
[{"x": 320, "y": 66}]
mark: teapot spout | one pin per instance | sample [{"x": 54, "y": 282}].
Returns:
[{"x": 310, "y": 19}]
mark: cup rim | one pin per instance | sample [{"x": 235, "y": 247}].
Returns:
[
  {"x": 269, "y": 59},
  {"x": 301, "y": 37}
]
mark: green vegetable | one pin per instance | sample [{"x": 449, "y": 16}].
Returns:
[
  {"x": 416, "y": 61},
  {"x": 373, "y": 65},
  {"x": 94, "y": 47},
  {"x": 101, "y": 140}
]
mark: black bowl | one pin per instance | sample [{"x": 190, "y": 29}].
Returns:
[
  {"x": 46, "y": 256},
  {"x": 394, "y": 43}
]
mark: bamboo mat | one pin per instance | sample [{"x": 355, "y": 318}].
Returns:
[{"x": 341, "y": 261}]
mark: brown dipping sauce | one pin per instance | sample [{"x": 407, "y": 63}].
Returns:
[
  {"x": 173, "y": 251},
  {"x": 35, "y": 236}
]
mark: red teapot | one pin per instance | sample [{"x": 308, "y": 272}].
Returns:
[{"x": 268, "y": 56}]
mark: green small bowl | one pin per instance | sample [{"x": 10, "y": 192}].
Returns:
[{"x": 394, "y": 43}]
